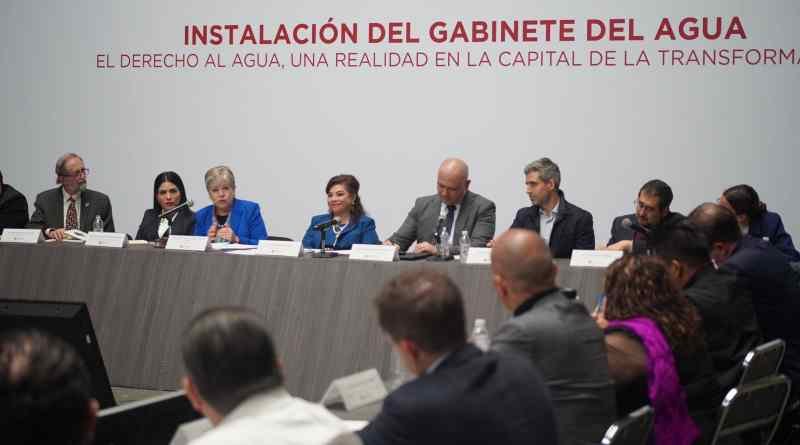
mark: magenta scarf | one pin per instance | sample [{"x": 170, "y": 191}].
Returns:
[{"x": 672, "y": 424}]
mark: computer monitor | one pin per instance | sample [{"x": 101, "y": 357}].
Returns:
[
  {"x": 150, "y": 421},
  {"x": 71, "y": 322}
]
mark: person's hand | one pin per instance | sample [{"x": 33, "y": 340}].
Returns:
[
  {"x": 56, "y": 234},
  {"x": 228, "y": 234},
  {"x": 389, "y": 242},
  {"x": 425, "y": 247},
  {"x": 599, "y": 315},
  {"x": 490, "y": 244},
  {"x": 624, "y": 245},
  {"x": 212, "y": 232}
]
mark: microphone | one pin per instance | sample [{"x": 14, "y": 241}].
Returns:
[
  {"x": 324, "y": 225},
  {"x": 167, "y": 212},
  {"x": 636, "y": 227}
]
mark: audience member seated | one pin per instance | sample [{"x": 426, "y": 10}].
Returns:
[
  {"x": 71, "y": 205},
  {"x": 755, "y": 220},
  {"x": 228, "y": 219},
  {"x": 464, "y": 210},
  {"x": 233, "y": 378},
  {"x": 630, "y": 233},
  {"x": 168, "y": 193},
  {"x": 563, "y": 225},
  {"x": 13, "y": 207},
  {"x": 344, "y": 204},
  {"x": 765, "y": 273},
  {"x": 656, "y": 351},
  {"x": 554, "y": 333},
  {"x": 45, "y": 391},
  {"x": 460, "y": 395},
  {"x": 725, "y": 307}
]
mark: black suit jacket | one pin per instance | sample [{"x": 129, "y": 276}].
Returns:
[
  {"x": 182, "y": 225},
  {"x": 13, "y": 209},
  {"x": 572, "y": 229},
  {"x": 640, "y": 244},
  {"x": 49, "y": 210},
  {"x": 471, "y": 398}
]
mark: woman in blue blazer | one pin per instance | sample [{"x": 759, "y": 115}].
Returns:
[
  {"x": 228, "y": 219},
  {"x": 344, "y": 204},
  {"x": 756, "y": 221}
]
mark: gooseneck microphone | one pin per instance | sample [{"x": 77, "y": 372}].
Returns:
[
  {"x": 325, "y": 224},
  {"x": 636, "y": 227},
  {"x": 168, "y": 212}
]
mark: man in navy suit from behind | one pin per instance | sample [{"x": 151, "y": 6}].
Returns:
[{"x": 460, "y": 395}]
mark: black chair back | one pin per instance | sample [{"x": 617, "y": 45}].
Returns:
[
  {"x": 757, "y": 406},
  {"x": 634, "y": 429},
  {"x": 763, "y": 361}
]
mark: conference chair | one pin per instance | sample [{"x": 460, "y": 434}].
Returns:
[
  {"x": 761, "y": 362},
  {"x": 754, "y": 407},
  {"x": 633, "y": 429}
]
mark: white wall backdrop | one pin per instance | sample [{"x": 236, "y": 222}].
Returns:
[{"x": 286, "y": 131}]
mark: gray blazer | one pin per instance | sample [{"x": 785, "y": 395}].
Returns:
[
  {"x": 563, "y": 341},
  {"x": 476, "y": 215},
  {"x": 49, "y": 210}
]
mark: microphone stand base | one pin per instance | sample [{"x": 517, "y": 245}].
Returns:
[
  {"x": 441, "y": 258},
  {"x": 324, "y": 254}
]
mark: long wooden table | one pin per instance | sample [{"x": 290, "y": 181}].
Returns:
[{"x": 319, "y": 311}]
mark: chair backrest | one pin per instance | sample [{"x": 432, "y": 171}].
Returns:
[
  {"x": 763, "y": 361},
  {"x": 757, "y": 406},
  {"x": 633, "y": 429},
  {"x": 278, "y": 238}
]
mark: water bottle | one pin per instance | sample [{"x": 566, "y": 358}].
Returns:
[
  {"x": 463, "y": 246},
  {"x": 98, "y": 224},
  {"x": 480, "y": 336},
  {"x": 444, "y": 245}
]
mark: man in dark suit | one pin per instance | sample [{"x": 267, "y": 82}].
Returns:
[
  {"x": 71, "y": 205},
  {"x": 459, "y": 208},
  {"x": 765, "y": 273},
  {"x": 461, "y": 395},
  {"x": 556, "y": 334},
  {"x": 729, "y": 320},
  {"x": 562, "y": 225},
  {"x": 652, "y": 214},
  {"x": 13, "y": 207}
]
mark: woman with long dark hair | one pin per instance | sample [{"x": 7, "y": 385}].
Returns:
[
  {"x": 168, "y": 193},
  {"x": 344, "y": 204}
]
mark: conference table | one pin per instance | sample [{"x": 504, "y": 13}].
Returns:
[{"x": 319, "y": 311}]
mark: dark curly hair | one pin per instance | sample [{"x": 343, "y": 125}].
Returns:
[{"x": 641, "y": 286}]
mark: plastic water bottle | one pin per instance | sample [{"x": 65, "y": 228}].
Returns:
[
  {"x": 480, "y": 336},
  {"x": 463, "y": 246},
  {"x": 97, "y": 226},
  {"x": 444, "y": 245}
]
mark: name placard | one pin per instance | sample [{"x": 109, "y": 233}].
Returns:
[
  {"x": 594, "y": 258},
  {"x": 373, "y": 252},
  {"x": 107, "y": 239},
  {"x": 26, "y": 236},
  {"x": 187, "y": 242},
  {"x": 280, "y": 248},
  {"x": 356, "y": 390},
  {"x": 479, "y": 255}
]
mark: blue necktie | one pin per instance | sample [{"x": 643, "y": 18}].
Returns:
[{"x": 448, "y": 223}]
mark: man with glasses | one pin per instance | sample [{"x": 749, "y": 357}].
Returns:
[
  {"x": 71, "y": 205},
  {"x": 631, "y": 233}
]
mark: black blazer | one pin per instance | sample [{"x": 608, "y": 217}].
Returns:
[
  {"x": 572, "y": 229},
  {"x": 148, "y": 228},
  {"x": 13, "y": 209},
  {"x": 640, "y": 244},
  {"x": 49, "y": 210},
  {"x": 471, "y": 398}
]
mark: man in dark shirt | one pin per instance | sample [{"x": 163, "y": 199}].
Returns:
[
  {"x": 13, "y": 207},
  {"x": 563, "y": 225},
  {"x": 729, "y": 320},
  {"x": 764, "y": 272},
  {"x": 630, "y": 233}
]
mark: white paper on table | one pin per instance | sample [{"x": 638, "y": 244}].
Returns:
[
  {"x": 593, "y": 258},
  {"x": 230, "y": 246}
]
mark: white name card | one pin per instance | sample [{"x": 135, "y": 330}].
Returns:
[
  {"x": 594, "y": 258},
  {"x": 280, "y": 248},
  {"x": 27, "y": 236},
  {"x": 356, "y": 390},
  {"x": 187, "y": 242},
  {"x": 373, "y": 252},
  {"x": 106, "y": 239},
  {"x": 479, "y": 255}
]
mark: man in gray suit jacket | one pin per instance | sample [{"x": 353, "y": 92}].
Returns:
[
  {"x": 71, "y": 205},
  {"x": 459, "y": 208},
  {"x": 556, "y": 333}
]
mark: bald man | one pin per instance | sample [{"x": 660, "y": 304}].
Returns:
[
  {"x": 460, "y": 208},
  {"x": 556, "y": 333}
]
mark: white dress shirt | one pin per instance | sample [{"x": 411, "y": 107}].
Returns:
[{"x": 546, "y": 222}]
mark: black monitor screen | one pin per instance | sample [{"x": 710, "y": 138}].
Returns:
[{"x": 149, "y": 421}]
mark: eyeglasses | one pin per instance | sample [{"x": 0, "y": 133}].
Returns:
[
  {"x": 83, "y": 171},
  {"x": 639, "y": 205}
]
